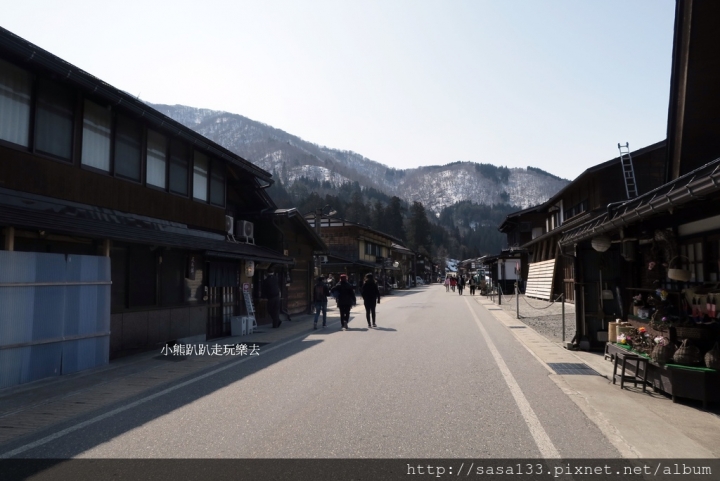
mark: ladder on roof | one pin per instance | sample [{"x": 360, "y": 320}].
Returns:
[{"x": 628, "y": 171}]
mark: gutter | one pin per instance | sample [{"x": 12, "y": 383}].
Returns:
[{"x": 663, "y": 199}]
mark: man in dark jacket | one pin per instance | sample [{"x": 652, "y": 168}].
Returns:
[
  {"x": 461, "y": 284},
  {"x": 345, "y": 295},
  {"x": 370, "y": 294},
  {"x": 271, "y": 292},
  {"x": 320, "y": 300}
]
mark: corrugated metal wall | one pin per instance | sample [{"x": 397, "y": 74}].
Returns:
[{"x": 54, "y": 315}]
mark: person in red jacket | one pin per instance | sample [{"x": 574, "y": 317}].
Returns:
[{"x": 453, "y": 283}]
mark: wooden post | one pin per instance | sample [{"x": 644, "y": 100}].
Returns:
[
  {"x": 107, "y": 243},
  {"x": 10, "y": 238}
]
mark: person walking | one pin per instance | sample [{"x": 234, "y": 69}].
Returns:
[
  {"x": 473, "y": 285},
  {"x": 461, "y": 284},
  {"x": 345, "y": 295},
  {"x": 370, "y": 293},
  {"x": 271, "y": 292},
  {"x": 320, "y": 300},
  {"x": 453, "y": 283},
  {"x": 447, "y": 284}
]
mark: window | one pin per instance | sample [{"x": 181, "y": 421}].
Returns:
[
  {"x": 713, "y": 258},
  {"x": 128, "y": 141},
  {"x": 15, "y": 100},
  {"x": 217, "y": 183},
  {"x": 54, "y": 120},
  {"x": 97, "y": 121},
  {"x": 178, "y": 168},
  {"x": 200, "y": 176},
  {"x": 156, "y": 159},
  {"x": 693, "y": 260}
]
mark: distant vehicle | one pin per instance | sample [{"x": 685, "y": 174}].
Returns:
[{"x": 419, "y": 281}]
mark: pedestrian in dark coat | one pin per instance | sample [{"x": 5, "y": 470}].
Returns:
[
  {"x": 271, "y": 292},
  {"x": 345, "y": 295},
  {"x": 370, "y": 294},
  {"x": 320, "y": 300},
  {"x": 461, "y": 284}
]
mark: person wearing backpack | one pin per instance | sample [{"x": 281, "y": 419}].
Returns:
[
  {"x": 320, "y": 300},
  {"x": 370, "y": 293}
]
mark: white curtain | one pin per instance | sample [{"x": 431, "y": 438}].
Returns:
[
  {"x": 96, "y": 136},
  {"x": 15, "y": 88},
  {"x": 200, "y": 176},
  {"x": 156, "y": 159}
]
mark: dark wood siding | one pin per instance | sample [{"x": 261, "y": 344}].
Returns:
[
  {"x": 37, "y": 175},
  {"x": 701, "y": 123}
]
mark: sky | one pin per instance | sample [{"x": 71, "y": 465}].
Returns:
[{"x": 553, "y": 84}]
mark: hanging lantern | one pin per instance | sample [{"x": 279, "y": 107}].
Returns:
[{"x": 600, "y": 243}]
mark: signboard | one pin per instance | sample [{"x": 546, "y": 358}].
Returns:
[
  {"x": 190, "y": 274},
  {"x": 246, "y": 287}
]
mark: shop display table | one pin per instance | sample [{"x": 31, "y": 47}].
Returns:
[{"x": 688, "y": 382}]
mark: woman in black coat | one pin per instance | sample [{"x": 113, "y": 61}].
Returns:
[
  {"x": 370, "y": 294},
  {"x": 345, "y": 295}
]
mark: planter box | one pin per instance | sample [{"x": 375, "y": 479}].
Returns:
[{"x": 678, "y": 382}]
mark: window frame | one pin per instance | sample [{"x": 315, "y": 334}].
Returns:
[
  {"x": 34, "y": 124},
  {"x": 166, "y": 187},
  {"x": 142, "y": 150}
]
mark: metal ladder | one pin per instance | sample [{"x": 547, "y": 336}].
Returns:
[{"x": 628, "y": 171}]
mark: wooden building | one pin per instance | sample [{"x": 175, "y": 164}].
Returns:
[
  {"x": 675, "y": 226},
  {"x": 88, "y": 170},
  {"x": 538, "y": 230},
  {"x": 356, "y": 249},
  {"x": 287, "y": 231}
]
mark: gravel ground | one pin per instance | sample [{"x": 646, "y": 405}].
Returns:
[{"x": 543, "y": 316}]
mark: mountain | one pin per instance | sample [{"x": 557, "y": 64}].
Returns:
[{"x": 290, "y": 158}]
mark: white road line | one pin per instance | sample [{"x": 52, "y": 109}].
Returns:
[
  {"x": 84, "y": 424},
  {"x": 542, "y": 440}
]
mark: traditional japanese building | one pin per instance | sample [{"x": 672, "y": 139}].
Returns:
[{"x": 121, "y": 228}]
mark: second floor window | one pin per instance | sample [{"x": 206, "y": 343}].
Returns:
[
  {"x": 15, "y": 104},
  {"x": 156, "y": 159},
  {"x": 97, "y": 123},
  {"x": 200, "y": 176},
  {"x": 128, "y": 141},
  {"x": 178, "y": 168},
  {"x": 54, "y": 120}
]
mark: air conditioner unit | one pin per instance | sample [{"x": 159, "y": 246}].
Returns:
[
  {"x": 229, "y": 224},
  {"x": 244, "y": 229}
]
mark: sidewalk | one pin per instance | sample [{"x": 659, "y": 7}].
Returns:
[
  {"x": 640, "y": 425},
  {"x": 30, "y": 408}
]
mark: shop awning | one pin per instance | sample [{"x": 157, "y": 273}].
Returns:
[{"x": 29, "y": 211}]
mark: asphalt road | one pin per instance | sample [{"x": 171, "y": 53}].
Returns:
[{"x": 438, "y": 378}]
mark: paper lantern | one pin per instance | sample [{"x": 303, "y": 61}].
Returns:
[{"x": 600, "y": 243}]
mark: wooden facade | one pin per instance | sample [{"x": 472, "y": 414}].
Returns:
[
  {"x": 88, "y": 169},
  {"x": 356, "y": 250},
  {"x": 591, "y": 193}
]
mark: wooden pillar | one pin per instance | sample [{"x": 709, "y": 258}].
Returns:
[
  {"x": 10, "y": 238},
  {"x": 107, "y": 243}
]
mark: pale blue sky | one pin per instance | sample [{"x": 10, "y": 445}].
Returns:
[{"x": 555, "y": 84}]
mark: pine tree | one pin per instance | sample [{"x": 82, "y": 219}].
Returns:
[
  {"x": 419, "y": 228},
  {"x": 394, "y": 219}
]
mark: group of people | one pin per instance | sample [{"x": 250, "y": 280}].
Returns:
[
  {"x": 452, "y": 282},
  {"x": 344, "y": 294}
]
